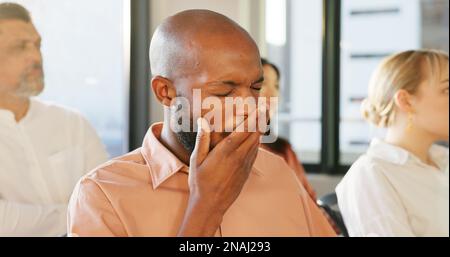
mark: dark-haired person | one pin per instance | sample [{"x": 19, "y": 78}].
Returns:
[
  {"x": 44, "y": 148},
  {"x": 282, "y": 147}
]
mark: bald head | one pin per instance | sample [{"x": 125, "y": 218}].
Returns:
[{"x": 188, "y": 42}]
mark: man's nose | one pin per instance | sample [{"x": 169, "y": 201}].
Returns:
[{"x": 35, "y": 55}]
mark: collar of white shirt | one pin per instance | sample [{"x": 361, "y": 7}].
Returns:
[
  {"x": 397, "y": 155},
  {"x": 6, "y": 116}
]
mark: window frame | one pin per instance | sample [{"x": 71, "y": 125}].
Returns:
[{"x": 139, "y": 98}]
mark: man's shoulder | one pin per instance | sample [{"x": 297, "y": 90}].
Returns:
[
  {"x": 126, "y": 170},
  {"x": 267, "y": 159},
  {"x": 273, "y": 166},
  {"x": 366, "y": 173},
  {"x": 66, "y": 117},
  {"x": 53, "y": 108}
]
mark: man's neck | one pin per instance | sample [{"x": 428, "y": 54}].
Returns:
[
  {"x": 17, "y": 105},
  {"x": 170, "y": 141}
]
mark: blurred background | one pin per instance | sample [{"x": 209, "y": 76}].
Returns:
[{"x": 96, "y": 61}]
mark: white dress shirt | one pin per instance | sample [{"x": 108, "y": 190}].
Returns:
[
  {"x": 41, "y": 159},
  {"x": 390, "y": 192}
]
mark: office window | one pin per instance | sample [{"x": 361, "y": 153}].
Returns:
[
  {"x": 372, "y": 30},
  {"x": 86, "y": 61},
  {"x": 294, "y": 43}
]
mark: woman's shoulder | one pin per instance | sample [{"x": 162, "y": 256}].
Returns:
[{"x": 366, "y": 168}]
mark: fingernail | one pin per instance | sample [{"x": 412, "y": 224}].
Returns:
[
  {"x": 199, "y": 124},
  {"x": 204, "y": 125}
]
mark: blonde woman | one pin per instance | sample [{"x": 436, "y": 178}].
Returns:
[{"x": 400, "y": 187}]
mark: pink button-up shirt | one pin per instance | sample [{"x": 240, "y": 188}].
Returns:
[{"x": 146, "y": 192}]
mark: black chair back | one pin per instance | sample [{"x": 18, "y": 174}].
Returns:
[{"x": 330, "y": 204}]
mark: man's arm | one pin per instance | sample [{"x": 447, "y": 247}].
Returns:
[
  {"x": 18, "y": 219},
  {"x": 90, "y": 212}
]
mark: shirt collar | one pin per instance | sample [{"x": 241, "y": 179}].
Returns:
[
  {"x": 397, "y": 155},
  {"x": 391, "y": 153},
  {"x": 440, "y": 156},
  {"x": 7, "y": 116},
  {"x": 161, "y": 162},
  {"x": 31, "y": 112}
]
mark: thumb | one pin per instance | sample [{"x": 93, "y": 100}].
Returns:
[{"x": 202, "y": 143}]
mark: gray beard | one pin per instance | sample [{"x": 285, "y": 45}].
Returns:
[{"x": 30, "y": 88}]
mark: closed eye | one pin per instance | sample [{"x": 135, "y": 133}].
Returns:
[
  {"x": 224, "y": 94},
  {"x": 257, "y": 87}
]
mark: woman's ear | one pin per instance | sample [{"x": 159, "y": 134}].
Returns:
[
  {"x": 164, "y": 90},
  {"x": 403, "y": 101}
]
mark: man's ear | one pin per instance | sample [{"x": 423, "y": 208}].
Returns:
[
  {"x": 163, "y": 90},
  {"x": 403, "y": 101}
]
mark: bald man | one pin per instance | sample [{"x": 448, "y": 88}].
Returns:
[{"x": 207, "y": 183}]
